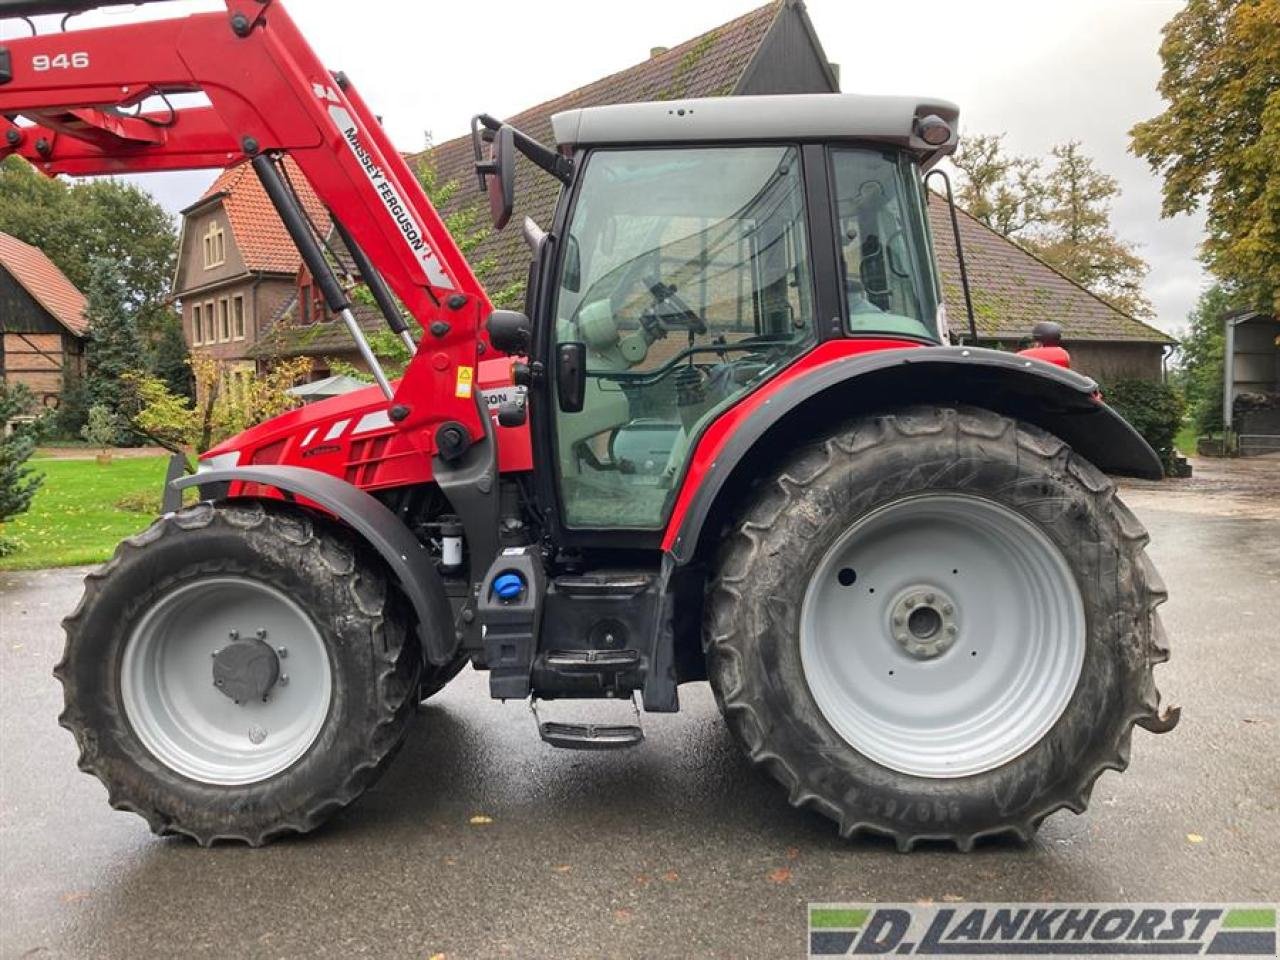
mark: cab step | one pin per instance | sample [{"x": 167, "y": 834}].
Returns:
[
  {"x": 591, "y": 661},
  {"x": 590, "y": 736}
]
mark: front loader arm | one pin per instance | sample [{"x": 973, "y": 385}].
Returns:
[{"x": 68, "y": 104}]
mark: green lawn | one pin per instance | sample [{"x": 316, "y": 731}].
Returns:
[
  {"x": 1185, "y": 440},
  {"x": 74, "y": 518}
]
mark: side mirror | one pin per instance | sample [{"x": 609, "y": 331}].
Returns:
[
  {"x": 498, "y": 174},
  {"x": 571, "y": 376},
  {"x": 510, "y": 331}
]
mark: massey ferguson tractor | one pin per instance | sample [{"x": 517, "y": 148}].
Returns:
[{"x": 729, "y": 438}]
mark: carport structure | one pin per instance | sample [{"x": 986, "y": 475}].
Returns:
[{"x": 1251, "y": 381}]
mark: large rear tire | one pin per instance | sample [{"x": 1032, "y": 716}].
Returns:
[
  {"x": 937, "y": 624},
  {"x": 238, "y": 671}
]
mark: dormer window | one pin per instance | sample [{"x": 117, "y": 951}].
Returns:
[{"x": 215, "y": 246}]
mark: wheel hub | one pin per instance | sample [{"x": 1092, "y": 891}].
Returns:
[
  {"x": 246, "y": 669},
  {"x": 923, "y": 621}
]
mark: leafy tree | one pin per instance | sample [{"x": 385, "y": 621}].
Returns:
[
  {"x": 1201, "y": 357},
  {"x": 230, "y": 401},
  {"x": 18, "y": 482},
  {"x": 1061, "y": 213},
  {"x": 112, "y": 350},
  {"x": 101, "y": 429},
  {"x": 78, "y": 224},
  {"x": 1218, "y": 141},
  {"x": 1005, "y": 192}
]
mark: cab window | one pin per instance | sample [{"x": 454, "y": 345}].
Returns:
[
  {"x": 883, "y": 238},
  {"x": 686, "y": 275}
]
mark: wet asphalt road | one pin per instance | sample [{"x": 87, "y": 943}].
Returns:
[{"x": 673, "y": 849}]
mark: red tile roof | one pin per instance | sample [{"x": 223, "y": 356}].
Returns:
[
  {"x": 43, "y": 280},
  {"x": 260, "y": 236}
]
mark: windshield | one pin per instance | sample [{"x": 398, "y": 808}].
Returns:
[{"x": 887, "y": 261}]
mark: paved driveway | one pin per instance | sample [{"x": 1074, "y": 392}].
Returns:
[{"x": 674, "y": 849}]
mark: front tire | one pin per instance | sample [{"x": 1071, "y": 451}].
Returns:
[
  {"x": 937, "y": 624},
  {"x": 238, "y": 671}
]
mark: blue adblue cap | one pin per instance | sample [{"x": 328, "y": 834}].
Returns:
[{"x": 508, "y": 586}]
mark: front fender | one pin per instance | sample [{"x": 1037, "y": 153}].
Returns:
[
  {"x": 407, "y": 559},
  {"x": 787, "y": 410}
]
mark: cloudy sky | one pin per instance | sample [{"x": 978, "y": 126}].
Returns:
[{"x": 1042, "y": 71}]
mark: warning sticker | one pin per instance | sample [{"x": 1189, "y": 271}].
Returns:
[{"x": 466, "y": 376}]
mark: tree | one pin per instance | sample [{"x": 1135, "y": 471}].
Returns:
[
  {"x": 1061, "y": 213},
  {"x": 230, "y": 401},
  {"x": 101, "y": 430},
  {"x": 112, "y": 351},
  {"x": 1076, "y": 236},
  {"x": 78, "y": 224},
  {"x": 1218, "y": 141},
  {"x": 1201, "y": 357},
  {"x": 18, "y": 482},
  {"x": 1004, "y": 192}
]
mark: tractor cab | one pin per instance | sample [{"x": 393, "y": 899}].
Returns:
[{"x": 701, "y": 247}]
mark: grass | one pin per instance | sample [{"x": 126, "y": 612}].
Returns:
[
  {"x": 75, "y": 519},
  {"x": 1184, "y": 441}
]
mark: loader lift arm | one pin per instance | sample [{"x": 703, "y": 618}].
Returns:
[{"x": 69, "y": 103}]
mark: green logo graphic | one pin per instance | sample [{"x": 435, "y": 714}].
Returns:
[{"x": 1042, "y": 930}]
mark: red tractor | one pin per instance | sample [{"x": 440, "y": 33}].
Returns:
[{"x": 730, "y": 438}]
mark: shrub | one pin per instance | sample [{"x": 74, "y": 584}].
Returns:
[
  {"x": 18, "y": 482},
  {"x": 1155, "y": 409},
  {"x": 102, "y": 429}
]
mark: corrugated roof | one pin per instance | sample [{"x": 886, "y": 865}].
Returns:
[
  {"x": 260, "y": 236},
  {"x": 1012, "y": 289},
  {"x": 41, "y": 278},
  {"x": 709, "y": 65}
]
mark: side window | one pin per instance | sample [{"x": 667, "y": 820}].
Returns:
[
  {"x": 687, "y": 277},
  {"x": 886, "y": 261}
]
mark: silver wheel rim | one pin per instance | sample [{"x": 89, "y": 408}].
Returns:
[
  {"x": 185, "y": 721},
  {"x": 942, "y": 635}
]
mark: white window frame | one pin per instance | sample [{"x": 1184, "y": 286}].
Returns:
[
  {"x": 224, "y": 320},
  {"x": 214, "y": 243}
]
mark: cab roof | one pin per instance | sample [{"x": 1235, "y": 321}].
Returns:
[{"x": 808, "y": 116}]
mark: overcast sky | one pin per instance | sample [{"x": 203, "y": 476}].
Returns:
[{"x": 1043, "y": 71}]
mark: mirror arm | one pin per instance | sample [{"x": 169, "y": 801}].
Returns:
[{"x": 556, "y": 164}]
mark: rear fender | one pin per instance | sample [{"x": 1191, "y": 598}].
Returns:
[
  {"x": 406, "y": 558},
  {"x": 789, "y": 411}
]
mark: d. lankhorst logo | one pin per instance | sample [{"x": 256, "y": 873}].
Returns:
[{"x": 1043, "y": 930}]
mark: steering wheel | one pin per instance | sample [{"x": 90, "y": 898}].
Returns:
[{"x": 669, "y": 311}]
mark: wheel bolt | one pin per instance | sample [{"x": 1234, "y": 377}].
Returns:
[
  {"x": 948, "y": 609},
  {"x": 283, "y": 681},
  {"x": 282, "y": 652},
  {"x": 952, "y": 629},
  {"x": 929, "y": 598},
  {"x": 261, "y": 633},
  {"x": 234, "y": 634},
  {"x": 897, "y": 621}
]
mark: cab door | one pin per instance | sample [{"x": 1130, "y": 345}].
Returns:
[{"x": 685, "y": 274}]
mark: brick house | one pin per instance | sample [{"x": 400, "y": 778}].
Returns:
[
  {"x": 237, "y": 267},
  {"x": 43, "y": 322}
]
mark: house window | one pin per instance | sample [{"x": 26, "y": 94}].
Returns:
[
  {"x": 224, "y": 321},
  {"x": 304, "y": 304},
  {"x": 237, "y": 317},
  {"x": 196, "y": 339},
  {"x": 207, "y": 327},
  {"x": 215, "y": 247}
]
